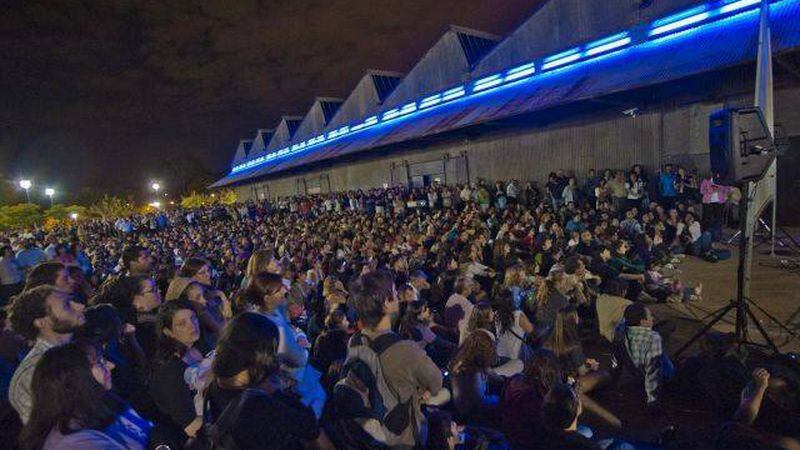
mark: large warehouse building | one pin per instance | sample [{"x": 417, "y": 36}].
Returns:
[{"x": 580, "y": 84}]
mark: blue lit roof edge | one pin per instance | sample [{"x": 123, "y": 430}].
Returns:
[{"x": 715, "y": 11}]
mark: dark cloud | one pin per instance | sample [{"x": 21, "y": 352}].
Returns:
[{"x": 99, "y": 92}]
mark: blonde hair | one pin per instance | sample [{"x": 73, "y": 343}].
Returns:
[{"x": 258, "y": 262}]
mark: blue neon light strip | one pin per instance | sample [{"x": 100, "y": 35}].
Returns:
[
  {"x": 684, "y": 20},
  {"x": 518, "y": 72},
  {"x": 487, "y": 82}
]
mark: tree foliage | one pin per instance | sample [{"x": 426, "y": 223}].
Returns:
[
  {"x": 112, "y": 207},
  {"x": 195, "y": 200},
  {"x": 22, "y": 215}
]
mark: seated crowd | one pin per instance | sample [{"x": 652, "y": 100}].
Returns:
[{"x": 439, "y": 317}]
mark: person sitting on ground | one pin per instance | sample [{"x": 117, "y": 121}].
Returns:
[
  {"x": 638, "y": 349},
  {"x": 48, "y": 317},
  {"x": 398, "y": 363},
  {"x": 50, "y": 273},
  {"x": 248, "y": 406},
  {"x": 565, "y": 343},
  {"x": 470, "y": 371},
  {"x": 523, "y": 395},
  {"x": 769, "y": 407},
  {"x": 74, "y": 408}
]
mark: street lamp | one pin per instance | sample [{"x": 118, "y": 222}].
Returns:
[
  {"x": 74, "y": 216},
  {"x": 50, "y": 192},
  {"x": 155, "y": 204},
  {"x": 155, "y": 187},
  {"x": 26, "y": 184}
]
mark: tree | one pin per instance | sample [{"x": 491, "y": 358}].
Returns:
[
  {"x": 111, "y": 207},
  {"x": 22, "y": 215}
]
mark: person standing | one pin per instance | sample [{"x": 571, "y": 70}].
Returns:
[{"x": 714, "y": 198}]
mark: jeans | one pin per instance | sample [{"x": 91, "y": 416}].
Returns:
[{"x": 702, "y": 245}]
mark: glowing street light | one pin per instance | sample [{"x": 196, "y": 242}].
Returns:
[
  {"x": 155, "y": 204},
  {"x": 155, "y": 187},
  {"x": 26, "y": 184},
  {"x": 74, "y": 216},
  {"x": 50, "y": 192}
]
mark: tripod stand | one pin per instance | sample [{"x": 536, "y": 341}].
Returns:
[{"x": 741, "y": 305}]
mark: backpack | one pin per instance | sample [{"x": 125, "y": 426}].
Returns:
[
  {"x": 218, "y": 432},
  {"x": 365, "y": 396}
]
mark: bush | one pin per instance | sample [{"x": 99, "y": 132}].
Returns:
[{"x": 22, "y": 215}]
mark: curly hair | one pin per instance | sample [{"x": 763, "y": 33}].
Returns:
[
  {"x": 476, "y": 353},
  {"x": 28, "y": 306},
  {"x": 43, "y": 274}
]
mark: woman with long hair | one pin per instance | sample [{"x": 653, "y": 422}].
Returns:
[
  {"x": 179, "y": 348},
  {"x": 217, "y": 307},
  {"x": 260, "y": 261},
  {"x": 512, "y": 326},
  {"x": 470, "y": 371},
  {"x": 73, "y": 406},
  {"x": 330, "y": 347},
  {"x": 416, "y": 325},
  {"x": 565, "y": 343},
  {"x": 524, "y": 394},
  {"x": 266, "y": 294},
  {"x": 136, "y": 298},
  {"x": 245, "y": 381}
]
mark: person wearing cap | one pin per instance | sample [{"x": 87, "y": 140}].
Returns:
[
  {"x": 187, "y": 289},
  {"x": 418, "y": 280}
]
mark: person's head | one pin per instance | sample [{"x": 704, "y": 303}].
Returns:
[
  {"x": 264, "y": 292},
  {"x": 50, "y": 273},
  {"x": 336, "y": 320},
  {"x": 406, "y": 294},
  {"x": 463, "y": 286},
  {"x": 476, "y": 354},
  {"x": 177, "y": 328},
  {"x": 482, "y": 318},
  {"x": 419, "y": 279},
  {"x": 70, "y": 386},
  {"x": 262, "y": 261},
  {"x": 374, "y": 299},
  {"x": 46, "y": 312},
  {"x": 443, "y": 431},
  {"x": 130, "y": 295},
  {"x": 564, "y": 338},
  {"x": 102, "y": 326},
  {"x": 543, "y": 370},
  {"x": 638, "y": 315},
  {"x": 574, "y": 266},
  {"x": 247, "y": 351},
  {"x": 136, "y": 260},
  {"x": 504, "y": 306},
  {"x": 561, "y": 408},
  {"x": 604, "y": 253},
  {"x": 198, "y": 269}
]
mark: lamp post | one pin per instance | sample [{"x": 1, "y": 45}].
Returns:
[
  {"x": 26, "y": 184},
  {"x": 50, "y": 192}
]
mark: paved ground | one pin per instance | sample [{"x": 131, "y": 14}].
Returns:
[{"x": 775, "y": 289}]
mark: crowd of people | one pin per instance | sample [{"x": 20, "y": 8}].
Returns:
[{"x": 438, "y": 317}]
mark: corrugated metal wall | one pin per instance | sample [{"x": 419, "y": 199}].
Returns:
[
  {"x": 677, "y": 135},
  {"x": 560, "y": 24}
]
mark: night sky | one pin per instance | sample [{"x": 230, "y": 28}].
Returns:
[{"x": 100, "y": 94}]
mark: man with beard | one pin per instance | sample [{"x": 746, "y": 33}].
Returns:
[{"x": 47, "y": 316}]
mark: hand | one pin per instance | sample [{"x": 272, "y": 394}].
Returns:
[
  {"x": 761, "y": 377},
  {"x": 592, "y": 364},
  {"x": 128, "y": 329}
]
